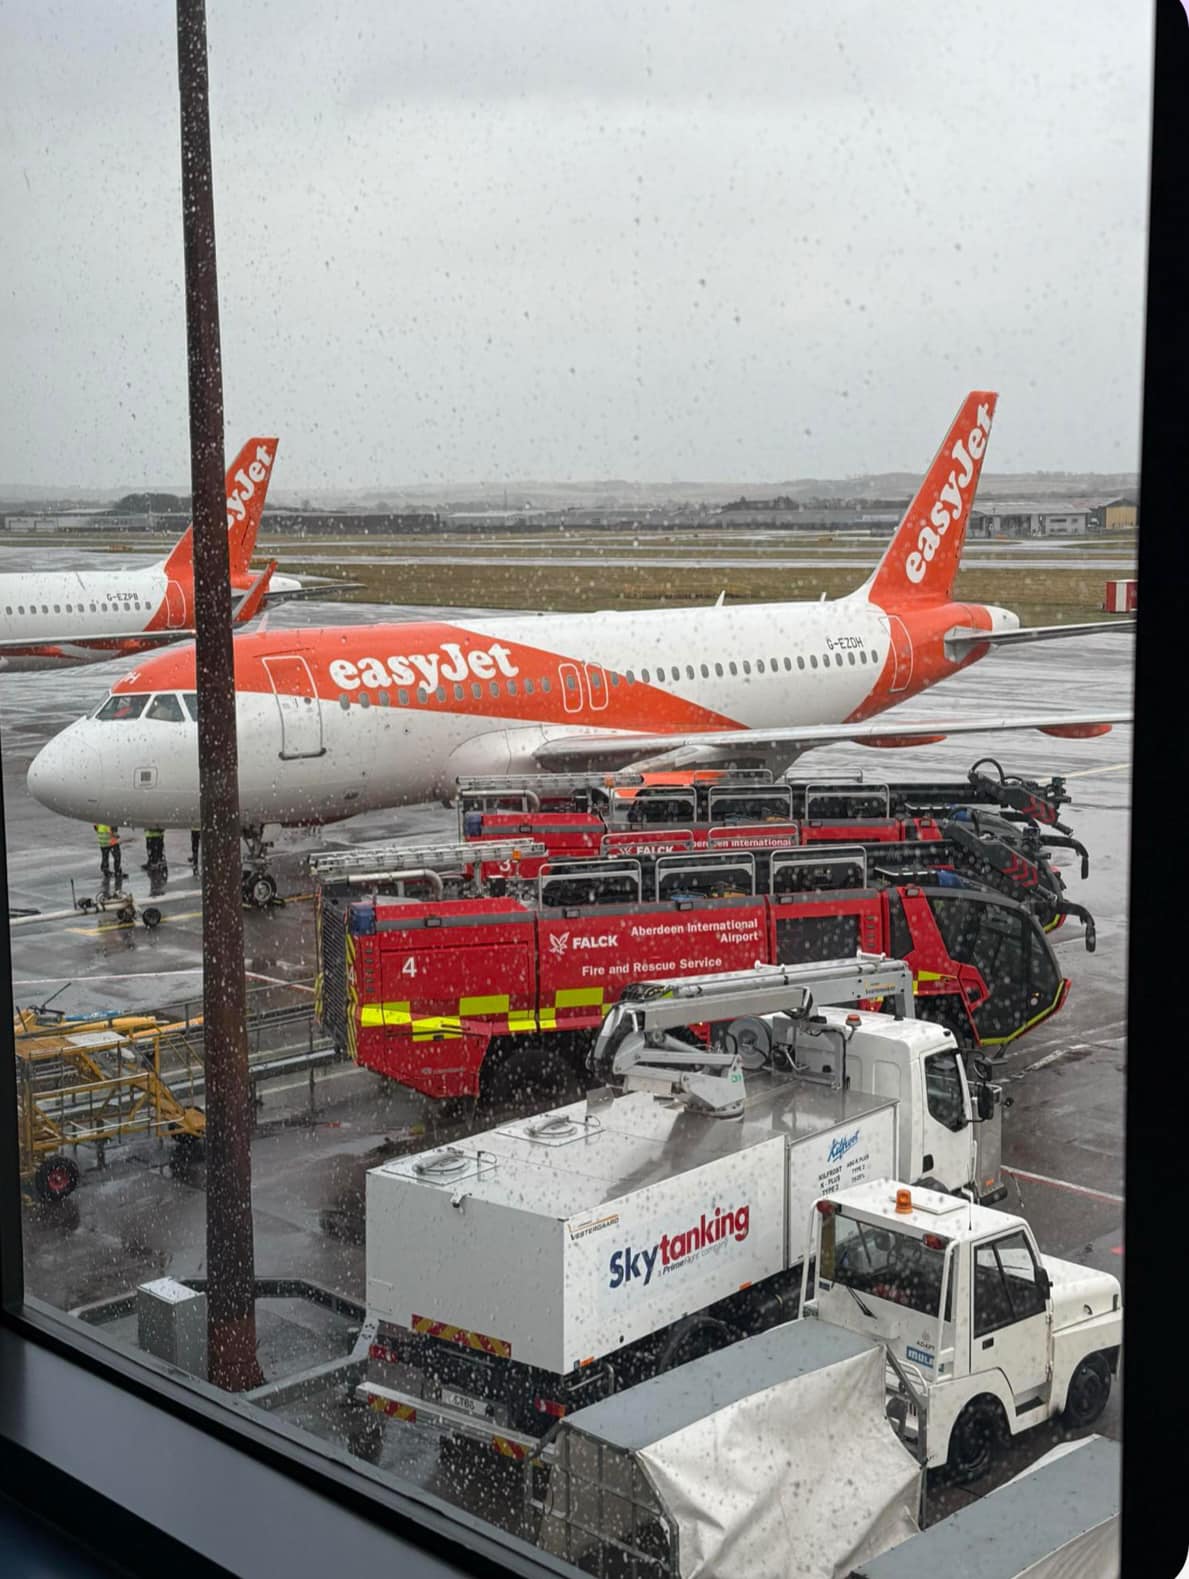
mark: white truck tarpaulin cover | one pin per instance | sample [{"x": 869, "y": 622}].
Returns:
[
  {"x": 773, "y": 1459},
  {"x": 1058, "y": 1519}
]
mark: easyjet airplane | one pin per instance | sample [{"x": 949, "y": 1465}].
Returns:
[
  {"x": 59, "y": 619},
  {"x": 340, "y": 720}
]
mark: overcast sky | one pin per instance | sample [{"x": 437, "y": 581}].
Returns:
[{"x": 495, "y": 239}]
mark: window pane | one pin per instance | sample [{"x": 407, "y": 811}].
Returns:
[{"x": 167, "y": 707}]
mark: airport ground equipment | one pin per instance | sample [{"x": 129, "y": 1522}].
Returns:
[
  {"x": 1058, "y": 1519},
  {"x": 87, "y": 1084},
  {"x": 985, "y": 1336},
  {"x": 527, "y": 1270},
  {"x": 687, "y": 796},
  {"x": 499, "y": 994},
  {"x": 975, "y": 849},
  {"x": 770, "y": 1460}
]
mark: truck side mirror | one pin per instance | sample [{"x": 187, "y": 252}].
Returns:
[
  {"x": 985, "y": 1102},
  {"x": 1043, "y": 1282}
]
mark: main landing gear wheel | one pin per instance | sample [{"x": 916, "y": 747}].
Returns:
[{"x": 260, "y": 889}]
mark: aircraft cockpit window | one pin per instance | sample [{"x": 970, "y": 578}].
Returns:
[
  {"x": 191, "y": 700},
  {"x": 121, "y": 707},
  {"x": 167, "y": 708}
]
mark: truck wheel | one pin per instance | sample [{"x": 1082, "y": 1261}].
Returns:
[
  {"x": 55, "y": 1179},
  {"x": 365, "y": 1437},
  {"x": 530, "y": 1077},
  {"x": 973, "y": 1440},
  {"x": 1089, "y": 1389}
]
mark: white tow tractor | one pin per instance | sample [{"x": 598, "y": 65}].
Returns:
[
  {"x": 985, "y": 1336},
  {"x": 556, "y": 1259}
]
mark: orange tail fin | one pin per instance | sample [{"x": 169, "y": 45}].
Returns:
[
  {"x": 922, "y": 559},
  {"x": 247, "y": 485}
]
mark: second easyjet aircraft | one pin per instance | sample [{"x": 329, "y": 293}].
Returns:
[
  {"x": 339, "y": 720},
  {"x": 55, "y": 619}
]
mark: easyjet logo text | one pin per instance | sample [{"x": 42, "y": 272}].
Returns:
[
  {"x": 449, "y": 662},
  {"x": 951, "y": 502},
  {"x": 247, "y": 480}
]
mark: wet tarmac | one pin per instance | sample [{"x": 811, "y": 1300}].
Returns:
[{"x": 133, "y": 1219}]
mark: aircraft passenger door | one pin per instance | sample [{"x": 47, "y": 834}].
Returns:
[
  {"x": 571, "y": 686},
  {"x": 596, "y": 686},
  {"x": 297, "y": 703},
  {"x": 901, "y": 652},
  {"x": 175, "y": 605}
]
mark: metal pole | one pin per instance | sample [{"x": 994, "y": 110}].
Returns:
[{"x": 231, "y": 1313}]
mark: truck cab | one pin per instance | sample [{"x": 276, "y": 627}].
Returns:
[
  {"x": 950, "y": 1124},
  {"x": 985, "y": 1336}
]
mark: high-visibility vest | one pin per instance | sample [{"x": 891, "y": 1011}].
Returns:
[
  {"x": 106, "y": 835},
  {"x": 154, "y": 833}
]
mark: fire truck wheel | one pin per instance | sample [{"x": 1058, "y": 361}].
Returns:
[
  {"x": 527, "y": 1075},
  {"x": 55, "y": 1179},
  {"x": 1089, "y": 1389},
  {"x": 973, "y": 1440}
]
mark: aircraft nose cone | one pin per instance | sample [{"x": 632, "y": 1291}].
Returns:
[{"x": 67, "y": 776}]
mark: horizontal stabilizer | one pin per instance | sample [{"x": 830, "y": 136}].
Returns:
[{"x": 959, "y": 642}]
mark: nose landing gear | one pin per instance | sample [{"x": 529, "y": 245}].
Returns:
[{"x": 259, "y": 885}]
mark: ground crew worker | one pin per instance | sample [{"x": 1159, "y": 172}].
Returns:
[
  {"x": 109, "y": 845},
  {"x": 195, "y": 842},
  {"x": 154, "y": 843}
]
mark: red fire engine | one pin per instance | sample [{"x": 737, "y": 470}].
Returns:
[{"x": 500, "y": 993}]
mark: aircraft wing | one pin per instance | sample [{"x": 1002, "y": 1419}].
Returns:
[
  {"x": 569, "y": 751},
  {"x": 72, "y": 646},
  {"x": 959, "y": 642}
]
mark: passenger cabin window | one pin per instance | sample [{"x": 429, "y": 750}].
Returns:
[
  {"x": 1005, "y": 1284},
  {"x": 119, "y": 708},
  {"x": 167, "y": 708}
]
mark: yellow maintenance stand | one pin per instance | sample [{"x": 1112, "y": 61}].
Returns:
[{"x": 88, "y": 1082}]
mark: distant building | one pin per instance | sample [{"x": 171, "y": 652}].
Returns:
[
  {"x": 1115, "y": 515},
  {"x": 1029, "y": 518}
]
